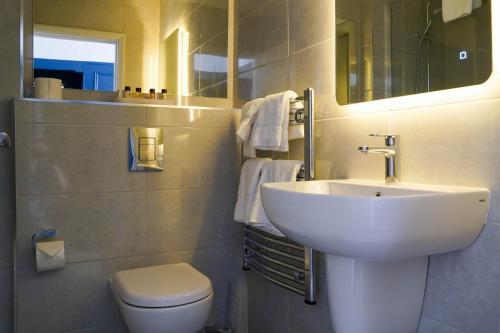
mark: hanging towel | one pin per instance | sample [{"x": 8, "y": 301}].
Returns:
[
  {"x": 270, "y": 130},
  {"x": 272, "y": 172},
  {"x": 249, "y": 181},
  {"x": 248, "y": 115},
  {"x": 455, "y": 9},
  {"x": 295, "y": 132}
]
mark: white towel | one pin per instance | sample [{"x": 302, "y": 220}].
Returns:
[
  {"x": 455, "y": 9},
  {"x": 270, "y": 130},
  {"x": 296, "y": 132},
  {"x": 248, "y": 115},
  {"x": 249, "y": 182},
  {"x": 272, "y": 172}
]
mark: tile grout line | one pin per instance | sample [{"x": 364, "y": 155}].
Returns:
[
  {"x": 145, "y": 255},
  {"x": 124, "y": 192}
]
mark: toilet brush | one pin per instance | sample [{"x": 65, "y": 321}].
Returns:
[{"x": 226, "y": 328}]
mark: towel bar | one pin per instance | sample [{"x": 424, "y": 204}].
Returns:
[
  {"x": 297, "y": 111},
  {"x": 278, "y": 259}
]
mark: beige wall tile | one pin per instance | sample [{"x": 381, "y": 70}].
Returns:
[
  {"x": 311, "y": 22},
  {"x": 246, "y": 7},
  {"x": 191, "y": 117},
  {"x": 7, "y": 226},
  {"x": 73, "y": 159},
  {"x": 93, "y": 226},
  {"x": 263, "y": 35},
  {"x": 76, "y": 297},
  {"x": 6, "y": 305},
  {"x": 106, "y": 15},
  {"x": 180, "y": 220},
  {"x": 9, "y": 25},
  {"x": 268, "y": 79},
  {"x": 207, "y": 21},
  {"x": 64, "y": 112},
  {"x": 314, "y": 67}
]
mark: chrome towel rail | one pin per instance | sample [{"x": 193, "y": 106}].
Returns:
[
  {"x": 297, "y": 111},
  {"x": 278, "y": 259}
]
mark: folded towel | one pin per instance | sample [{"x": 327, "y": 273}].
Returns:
[
  {"x": 249, "y": 181},
  {"x": 248, "y": 115},
  {"x": 296, "y": 132},
  {"x": 270, "y": 130},
  {"x": 455, "y": 9},
  {"x": 272, "y": 172}
]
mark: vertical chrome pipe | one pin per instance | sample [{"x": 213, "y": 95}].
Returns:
[
  {"x": 309, "y": 149},
  {"x": 309, "y": 170},
  {"x": 310, "y": 275}
]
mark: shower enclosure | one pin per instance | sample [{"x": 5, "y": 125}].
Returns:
[{"x": 403, "y": 47}]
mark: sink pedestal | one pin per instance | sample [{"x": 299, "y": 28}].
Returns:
[{"x": 376, "y": 296}]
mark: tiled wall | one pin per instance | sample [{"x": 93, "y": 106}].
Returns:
[
  {"x": 72, "y": 175},
  {"x": 9, "y": 88},
  {"x": 207, "y": 24},
  {"x": 451, "y": 144}
]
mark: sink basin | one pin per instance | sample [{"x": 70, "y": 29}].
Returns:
[
  {"x": 377, "y": 239},
  {"x": 372, "y": 220}
]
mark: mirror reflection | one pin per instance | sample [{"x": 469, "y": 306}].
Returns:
[
  {"x": 178, "y": 46},
  {"x": 390, "y": 48}
]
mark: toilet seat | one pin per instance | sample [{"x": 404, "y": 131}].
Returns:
[{"x": 161, "y": 286}]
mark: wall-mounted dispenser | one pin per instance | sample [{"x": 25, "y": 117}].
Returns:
[
  {"x": 146, "y": 149},
  {"x": 49, "y": 253}
]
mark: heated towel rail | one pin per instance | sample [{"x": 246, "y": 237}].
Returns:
[{"x": 278, "y": 259}]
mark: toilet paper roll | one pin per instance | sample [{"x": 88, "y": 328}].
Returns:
[
  {"x": 47, "y": 88},
  {"x": 49, "y": 255}
]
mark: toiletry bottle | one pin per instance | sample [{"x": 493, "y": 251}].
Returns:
[
  {"x": 164, "y": 94},
  {"x": 138, "y": 93},
  {"x": 152, "y": 93},
  {"x": 127, "y": 93}
]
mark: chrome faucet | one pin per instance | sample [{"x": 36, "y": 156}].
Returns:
[{"x": 391, "y": 153}]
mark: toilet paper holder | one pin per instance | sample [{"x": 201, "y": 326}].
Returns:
[{"x": 49, "y": 233}]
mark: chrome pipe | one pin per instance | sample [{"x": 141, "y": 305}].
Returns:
[
  {"x": 269, "y": 239},
  {"x": 290, "y": 277},
  {"x": 276, "y": 281},
  {"x": 309, "y": 147},
  {"x": 278, "y": 252},
  {"x": 309, "y": 173},
  {"x": 310, "y": 276},
  {"x": 253, "y": 252}
]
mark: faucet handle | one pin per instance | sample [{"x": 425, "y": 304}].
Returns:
[{"x": 391, "y": 140}]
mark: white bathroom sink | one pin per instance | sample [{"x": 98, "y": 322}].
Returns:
[{"x": 374, "y": 221}]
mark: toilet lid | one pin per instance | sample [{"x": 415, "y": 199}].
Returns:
[{"x": 161, "y": 286}]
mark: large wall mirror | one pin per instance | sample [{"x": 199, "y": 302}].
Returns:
[
  {"x": 105, "y": 45},
  {"x": 391, "y": 48}
]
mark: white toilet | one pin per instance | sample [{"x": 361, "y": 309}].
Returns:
[{"x": 163, "y": 299}]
